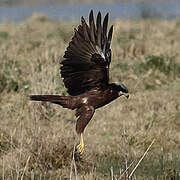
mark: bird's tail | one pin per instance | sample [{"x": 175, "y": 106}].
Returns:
[{"x": 65, "y": 101}]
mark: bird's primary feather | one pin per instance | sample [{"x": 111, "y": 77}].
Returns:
[{"x": 86, "y": 61}]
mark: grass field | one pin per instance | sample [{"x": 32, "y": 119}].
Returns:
[{"x": 37, "y": 139}]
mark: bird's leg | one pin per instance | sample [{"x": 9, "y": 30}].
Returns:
[{"x": 80, "y": 146}]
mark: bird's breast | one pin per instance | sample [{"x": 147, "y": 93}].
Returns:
[{"x": 99, "y": 98}]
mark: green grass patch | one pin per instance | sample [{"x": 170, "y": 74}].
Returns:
[{"x": 4, "y": 35}]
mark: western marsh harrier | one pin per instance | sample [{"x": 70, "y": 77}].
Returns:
[{"x": 85, "y": 72}]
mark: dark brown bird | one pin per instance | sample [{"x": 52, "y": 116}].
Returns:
[{"x": 85, "y": 72}]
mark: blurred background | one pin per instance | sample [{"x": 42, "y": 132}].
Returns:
[
  {"x": 37, "y": 139},
  {"x": 71, "y": 10}
]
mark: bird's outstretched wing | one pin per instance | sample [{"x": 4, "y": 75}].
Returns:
[
  {"x": 84, "y": 114},
  {"x": 86, "y": 61}
]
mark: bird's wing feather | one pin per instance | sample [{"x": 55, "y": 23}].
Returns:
[
  {"x": 84, "y": 114},
  {"x": 86, "y": 61}
]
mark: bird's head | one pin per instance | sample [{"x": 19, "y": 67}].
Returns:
[{"x": 121, "y": 89}]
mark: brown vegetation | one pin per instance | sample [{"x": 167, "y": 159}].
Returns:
[{"x": 37, "y": 139}]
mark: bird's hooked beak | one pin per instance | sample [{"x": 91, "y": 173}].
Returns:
[{"x": 124, "y": 94}]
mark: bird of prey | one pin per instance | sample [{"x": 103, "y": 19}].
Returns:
[{"x": 85, "y": 72}]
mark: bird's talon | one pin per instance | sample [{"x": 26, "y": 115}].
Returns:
[{"x": 80, "y": 149}]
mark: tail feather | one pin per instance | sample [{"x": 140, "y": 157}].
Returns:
[
  {"x": 45, "y": 97},
  {"x": 65, "y": 101}
]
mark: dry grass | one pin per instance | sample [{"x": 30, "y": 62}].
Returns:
[{"x": 37, "y": 139}]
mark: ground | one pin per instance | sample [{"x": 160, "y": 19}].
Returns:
[{"x": 37, "y": 139}]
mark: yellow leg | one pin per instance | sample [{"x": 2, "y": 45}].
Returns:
[{"x": 80, "y": 146}]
